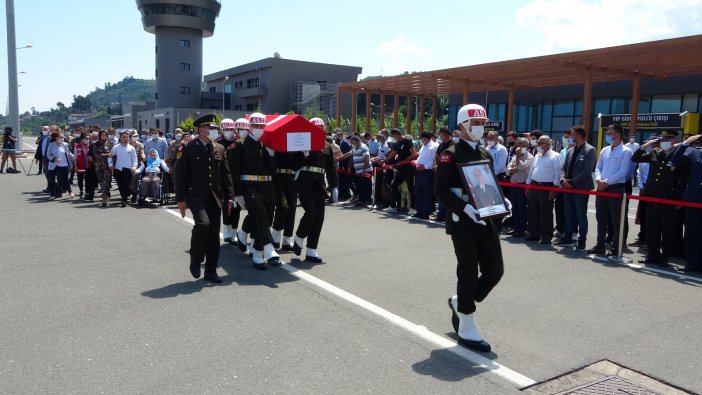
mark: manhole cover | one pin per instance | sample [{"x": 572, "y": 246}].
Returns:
[{"x": 611, "y": 385}]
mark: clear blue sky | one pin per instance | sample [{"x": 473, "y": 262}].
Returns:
[{"x": 82, "y": 44}]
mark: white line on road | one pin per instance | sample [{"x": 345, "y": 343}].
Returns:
[
  {"x": 648, "y": 269},
  {"x": 510, "y": 375}
]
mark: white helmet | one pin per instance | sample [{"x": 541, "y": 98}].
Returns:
[
  {"x": 257, "y": 119},
  {"x": 227, "y": 124},
  {"x": 242, "y": 123},
  {"x": 318, "y": 122},
  {"x": 469, "y": 112}
]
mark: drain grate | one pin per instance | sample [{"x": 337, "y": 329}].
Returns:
[{"x": 611, "y": 385}]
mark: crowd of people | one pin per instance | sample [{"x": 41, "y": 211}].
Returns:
[{"x": 394, "y": 172}]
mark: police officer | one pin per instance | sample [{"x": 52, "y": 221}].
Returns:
[
  {"x": 665, "y": 181},
  {"x": 203, "y": 183},
  {"x": 253, "y": 167},
  {"x": 475, "y": 240},
  {"x": 309, "y": 181}
]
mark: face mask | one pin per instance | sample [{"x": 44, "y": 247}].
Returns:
[
  {"x": 154, "y": 137},
  {"x": 476, "y": 133},
  {"x": 111, "y": 136},
  {"x": 143, "y": 137},
  {"x": 632, "y": 139},
  {"x": 455, "y": 139},
  {"x": 59, "y": 140},
  {"x": 491, "y": 144},
  {"x": 179, "y": 137},
  {"x": 243, "y": 133},
  {"x": 539, "y": 150},
  {"x": 76, "y": 134},
  {"x": 666, "y": 145},
  {"x": 212, "y": 134},
  {"x": 609, "y": 139},
  {"x": 510, "y": 143},
  {"x": 229, "y": 135},
  {"x": 532, "y": 143},
  {"x": 391, "y": 140},
  {"x": 45, "y": 132},
  {"x": 524, "y": 152},
  {"x": 133, "y": 138},
  {"x": 257, "y": 133},
  {"x": 86, "y": 141}
]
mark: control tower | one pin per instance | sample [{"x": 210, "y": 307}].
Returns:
[{"x": 179, "y": 26}]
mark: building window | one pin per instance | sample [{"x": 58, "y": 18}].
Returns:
[
  {"x": 238, "y": 107},
  {"x": 156, "y": 95},
  {"x": 228, "y": 88},
  {"x": 252, "y": 83},
  {"x": 157, "y": 49},
  {"x": 184, "y": 90},
  {"x": 238, "y": 84},
  {"x": 185, "y": 43},
  {"x": 251, "y": 107},
  {"x": 213, "y": 89},
  {"x": 185, "y": 67},
  {"x": 156, "y": 72},
  {"x": 158, "y": 123}
]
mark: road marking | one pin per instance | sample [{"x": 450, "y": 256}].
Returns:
[
  {"x": 517, "y": 379},
  {"x": 645, "y": 268}
]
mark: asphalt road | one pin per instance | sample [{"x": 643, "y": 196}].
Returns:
[{"x": 101, "y": 300}]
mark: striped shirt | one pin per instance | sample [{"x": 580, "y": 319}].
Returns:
[{"x": 359, "y": 155}]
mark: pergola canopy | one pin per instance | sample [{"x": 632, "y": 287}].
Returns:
[{"x": 655, "y": 60}]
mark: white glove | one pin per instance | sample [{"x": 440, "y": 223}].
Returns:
[
  {"x": 297, "y": 173},
  {"x": 471, "y": 212},
  {"x": 306, "y": 153},
  {"x": 270, "y": 152},
  {"x": 509, "y": 208},
  {"x": 335, "y": 194},
  {"x": 239, "y": 201}
]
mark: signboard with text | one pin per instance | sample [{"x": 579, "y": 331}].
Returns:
[
  {"x": 497, "y": 126},
  {"x": 645, "y": 121}
]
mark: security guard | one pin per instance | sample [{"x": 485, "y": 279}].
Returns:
[
  {"x": 253, "y": 167},
  {"x": 309, "y": 181},
  {"x": 475, "y": 241},
  {"x": 203, "y": 183},
  {"x": 665, "y": 181}
]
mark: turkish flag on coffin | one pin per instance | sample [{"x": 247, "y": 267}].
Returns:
[{"x": 288, "y": 133}]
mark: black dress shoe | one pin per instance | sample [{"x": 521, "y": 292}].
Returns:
[
  {"x": 274, "y": 261},
  {"x": 260, "y": 266},
  {"x": 228, "y": 240},
  {"x": 454, "y": 317},
  {"x": 297, "y": 249},
  {"x": 213, "y": 278},
  {"x": 288, "y": 247},
  {"x": 649, "y": 261},
  {"x": 544, "y": 241},
  {"x": 563, "y": 242},
  {"x": 240, "y": 245},
  {"x": 276, "y": 245},
  {"x": 476, "y": 345},
  {"x": 134, "y": 199},
  {"x": 689, "y": 269},
  {"x": 194, "y": 268},
  {"x": 313, "y": 259},
  {"x": 596, "y": 250},
  {"x": 580, "y": 246}
]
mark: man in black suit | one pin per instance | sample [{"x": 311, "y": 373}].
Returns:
[
  {"x": 577, "y": 174},
  {"x": 203, "y": 182}
]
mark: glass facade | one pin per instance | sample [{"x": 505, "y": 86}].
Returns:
[{"x": 178, "y": 9}]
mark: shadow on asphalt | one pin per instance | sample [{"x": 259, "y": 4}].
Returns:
[
  {"x": 239, "y": 270},
  {"x": 300, "y": 263},
  {"x": 446, "y": 366}
]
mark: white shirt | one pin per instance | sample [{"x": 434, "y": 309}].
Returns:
[
  {"x": 383, "y": 150},
  {"x": 427, "y": 154},
  {"x": 122, "y": 156},
  {"x": 613, "y": 165},
  {"x": 500, "y": 157},
  {"x": 546, "y": 168}
]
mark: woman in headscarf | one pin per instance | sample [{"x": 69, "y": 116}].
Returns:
[
  {"x": 151, "y": 180},
  {"x": 83, "y": 164},
  {"x": 100, "y": 151}
]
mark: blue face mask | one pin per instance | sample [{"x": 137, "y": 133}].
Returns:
[{"x": 609, "y": 139}]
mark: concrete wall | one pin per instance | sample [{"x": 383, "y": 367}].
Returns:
[{"x": 170, "y": 77}]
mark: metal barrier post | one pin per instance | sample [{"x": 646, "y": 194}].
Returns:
[
  {"x": 622, "y": 217},
  {"x": 373, "y": 180}
]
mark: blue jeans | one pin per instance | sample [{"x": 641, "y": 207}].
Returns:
[
  {"x": 519, "y": 209},
  {"x": 424, "y": 184},
  {"x": 575, "y": 211}
]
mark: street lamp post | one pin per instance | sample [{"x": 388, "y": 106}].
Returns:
[{"x": 223, "y": 89}]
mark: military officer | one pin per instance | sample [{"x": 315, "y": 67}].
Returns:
[
  {"x": 475, "y": 240},
  {"x": 665, "y": 181},
  {"x": 253, "y": 167},
  {"x": 690, "y": 154},
  {"x": 309, "y": 181},
  {"x": 203, "y": 182},
  {"x": 230, "y": 218},
  {"x": 285, "y": 198}
]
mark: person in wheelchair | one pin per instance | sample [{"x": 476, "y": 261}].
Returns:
[{"x": 150, "y": 173}]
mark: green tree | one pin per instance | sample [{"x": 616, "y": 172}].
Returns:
[
  {"x": 187, "y": 124},
  {"x": 81, "y": 104}
]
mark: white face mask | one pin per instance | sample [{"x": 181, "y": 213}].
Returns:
[
  {"x": 666, "y": 145},
  {"x": 632, "y": 139},
  {"x": 476, "y": 132},
  {"x": 110, "y": 136},
  {"x": 391, "y": 140},
  {"x": 76, "y": 134},
  {"x": 212, "y": 134},
  {"x": 154, "y": 137},
  {"x": 532, "y": 143},
  {"x": 539, "y": 150},
  {"x": 455, "y": 139},
  {"x": 257, "y": 133},
  {"x": 178, "y": 137},
  {"x": 133, "y": 138},
  {"x": 229, "y": 135},
  {"x": 45, "y": 132},
  {"x": 491, "y": 144},
  {"x": 243, "y": 133}
]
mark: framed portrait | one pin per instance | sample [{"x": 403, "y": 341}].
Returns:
[{"x": 485, "y": 193}]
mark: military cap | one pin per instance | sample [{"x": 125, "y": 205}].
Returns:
[
  {"x": 206, "y": 121},
  {"x": 667, "y": 133}
]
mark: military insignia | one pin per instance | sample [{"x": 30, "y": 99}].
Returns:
[{"x": 445, "y": 158}]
